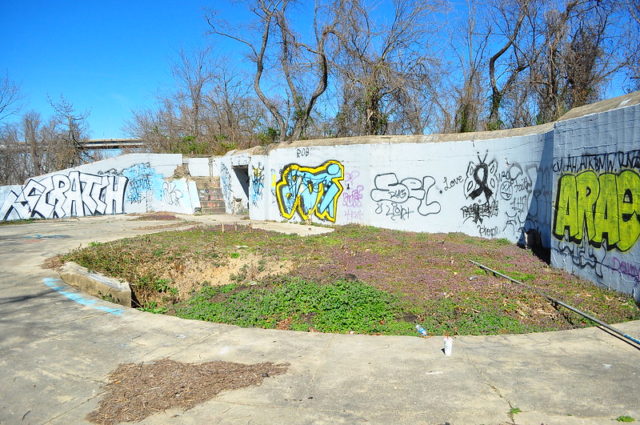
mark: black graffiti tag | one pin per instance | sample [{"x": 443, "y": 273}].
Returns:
[
  {"x": 481, "y": 183},
  {"x": 481, "y": 180}
]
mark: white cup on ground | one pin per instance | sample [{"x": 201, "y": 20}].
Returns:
[{"x": 448, "y": 345}]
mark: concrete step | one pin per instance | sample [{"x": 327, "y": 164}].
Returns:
[
  {"x": 207, "y": 211},
  {"x": 207, "y": 194},
  {"x": 217, "y": 203}
]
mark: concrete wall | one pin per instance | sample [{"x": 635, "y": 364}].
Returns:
[
  {"x": 496, "y": 188},
  {"x": 596, "y": 194},
  {"x": 572, "y": 186},
  {"x": 132, "y": 183}
]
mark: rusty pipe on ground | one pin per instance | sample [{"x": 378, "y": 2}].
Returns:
[{"x": 565, "y": 305}]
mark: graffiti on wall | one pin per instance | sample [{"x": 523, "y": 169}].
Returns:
[
  {"x": 398, "y": 199},
  {"x": 515, "y": 191},
  {"x": 310, "y": 190},
  {"x": 302, "y": 152},
  {"x": 583, "y": 255},
  {"x": 480, "y": 186},
  {"x": 144, "y": 183},
  {"x": 171, "y": 194},
  {"x": 352, "y": 197},
  {"x": 599, "y": 208},
  {"x": 225, "y": 186},
  {"x": 69, "y": 194},
  {"x": 600, "y": 162},
  {"x": 257, "y": 183},
  {"x": 596, "y": 216},
  {"x": 539, "y": 214},
  {"x": 626, "y": 269}
]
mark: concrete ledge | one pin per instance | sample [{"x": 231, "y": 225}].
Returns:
[{"x": 96, "y": 284}]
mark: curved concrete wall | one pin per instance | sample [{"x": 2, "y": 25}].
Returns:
[
  {"x": 496, "y": 188},
  {"x": 596, "y": 198},
  {"x": 572, "y": 186},
  {"x": 134, "y": 183}
]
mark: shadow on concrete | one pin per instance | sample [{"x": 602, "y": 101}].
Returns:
[{"x": 22, "y": 298}]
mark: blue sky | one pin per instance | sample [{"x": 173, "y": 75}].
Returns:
[
  {"x": 106, "y": 57},
  {"x": 111, "y": 57}
]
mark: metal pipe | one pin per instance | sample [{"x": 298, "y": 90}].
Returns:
[{"x": 565, "y": 305}]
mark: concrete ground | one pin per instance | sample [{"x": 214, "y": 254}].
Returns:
[{"x": 57, "y": 348}]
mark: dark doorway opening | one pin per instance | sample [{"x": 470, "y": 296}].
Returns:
[{"x": 242, "y": 173}]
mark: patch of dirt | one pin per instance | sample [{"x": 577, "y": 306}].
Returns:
[
  {"x": 191, "y": 274},
  {"x": 157, "y": 216},
  {"x": 136, "y": 391},
  {"x": 168, "y": 226},
  {"x": 54, "y": 263},
  {"x": 245, "y": 269}
]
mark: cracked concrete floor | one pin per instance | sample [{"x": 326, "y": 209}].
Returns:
[{"x": 55, "y": 355}]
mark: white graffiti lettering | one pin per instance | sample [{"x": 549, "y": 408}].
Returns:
[{"x": 72, "y": 195}]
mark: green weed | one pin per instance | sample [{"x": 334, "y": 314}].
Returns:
[
  {"x": 625, "y": 419},
  {"x": 21, "y": 221},
  {"x": 339, "y": 307},
  {"x": 428, "y": 277},
  {"x": 154, "y": 308}
]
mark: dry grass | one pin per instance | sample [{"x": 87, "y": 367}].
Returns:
[{"x": 136, "y": 391}]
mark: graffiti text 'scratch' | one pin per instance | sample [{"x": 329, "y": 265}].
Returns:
[
  {"x": 599, "y": 208},
  {"x": 66, "y": 195},
  {"x": 310, "y": 190}
]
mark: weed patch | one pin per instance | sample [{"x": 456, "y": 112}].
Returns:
[
  {"x": 341, "y": 307},
  {"x": 360, "y": 279}
]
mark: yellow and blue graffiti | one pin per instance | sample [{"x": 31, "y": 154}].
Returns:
[
  {"x": 310, "y": 190},
  {"x": 606, "y": 207}
]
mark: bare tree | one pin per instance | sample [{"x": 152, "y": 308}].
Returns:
[
  {"x": 509, "y": 17},
  {"x": 193, "y": 74},
  {"x": 69, "y": 132},
  {"x": 234, "y": 117},
  {"x": 633, "y": 43},
  {"x": 31, "y": 126},
  {"x": 35, "y": 146},
  {"x": 467, "y": 96},
  {"x": 303, "y": 67},
  {"x": 9, "y": 97},
  {"x": 159, "y": 128},
  {"x": 579, "y": 51},
  {"x": 383, "y": 68},
  {"x": 14, "y": 164},
  {"x": 211, "y": 112}
]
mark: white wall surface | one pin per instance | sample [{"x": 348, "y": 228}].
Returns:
[
  {"x": 483, "y": 188},
  {"x": 199, "y": 167},
  {"x": 126, "y": 184}
]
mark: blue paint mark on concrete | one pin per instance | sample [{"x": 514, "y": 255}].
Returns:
[
  {"x": 54, "y": 284},
  {"x": 39, "y": 236}
]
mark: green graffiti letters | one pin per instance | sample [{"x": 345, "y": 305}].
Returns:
[{"x": 605, "y": 207}]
